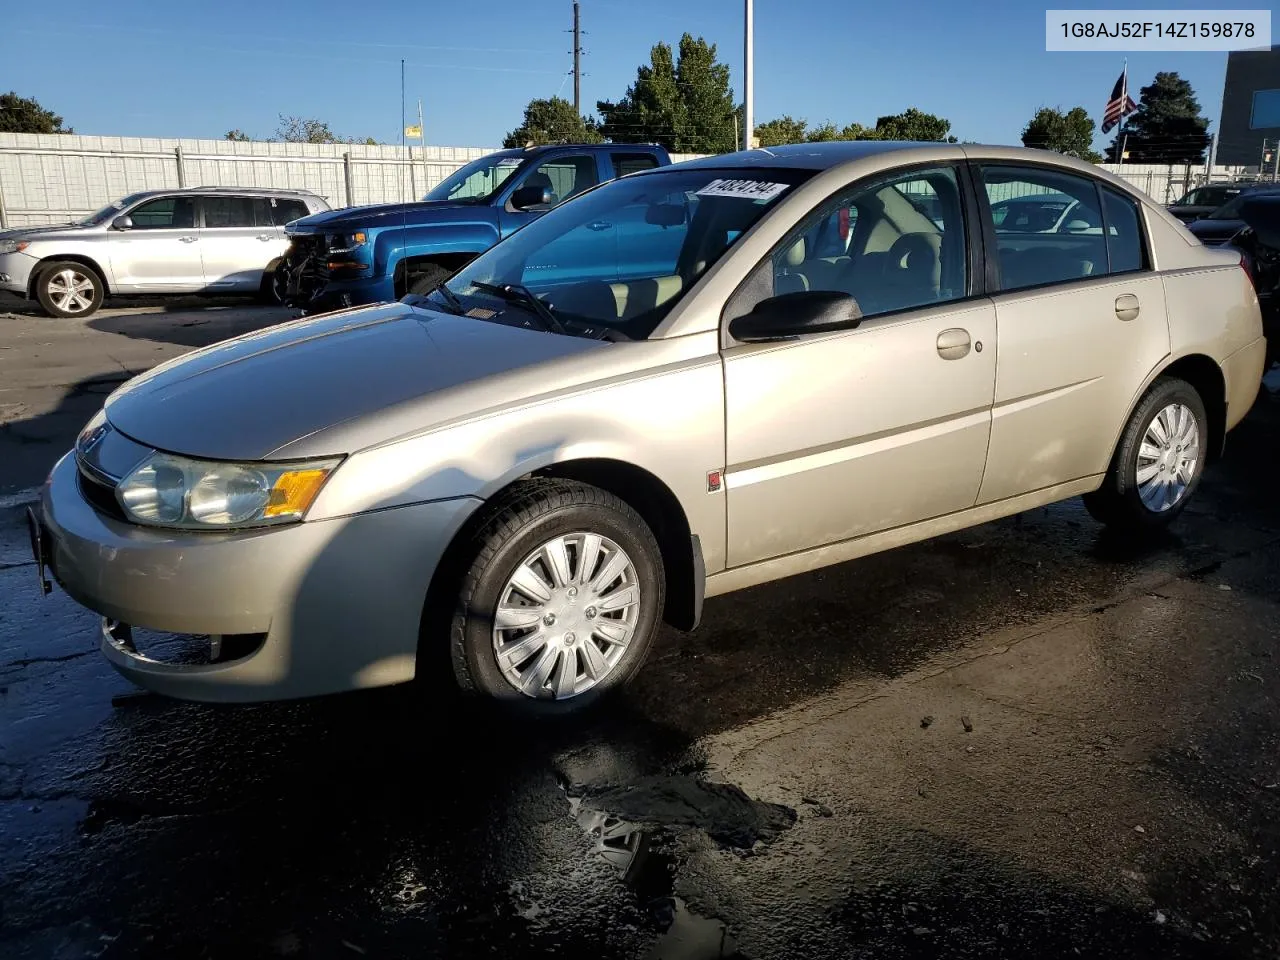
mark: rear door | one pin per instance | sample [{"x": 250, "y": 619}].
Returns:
[
  {"x": 238, "y": 238},
  {"x": 161, "y": 252},
  {"x": 1081, "y": 321}
]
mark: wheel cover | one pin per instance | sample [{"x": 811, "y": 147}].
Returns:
[
  {"x": 566, "y": 616},
  {"x": 70, "y": 290},
  {"x": 1168, "y": 457}
]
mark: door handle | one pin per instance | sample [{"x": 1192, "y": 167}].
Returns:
[
  {"x": 265, "y": 237},
  {"x": 599, "y": 225},
  {"x": 188, "y": 239},
  {"x": 954, "y": 343},
  {"x": 1127, "y": 306}
]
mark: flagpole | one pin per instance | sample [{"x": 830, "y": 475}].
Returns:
[
  {"x": 1124, "y": 101},
  {"x": 422, "y": 135}
]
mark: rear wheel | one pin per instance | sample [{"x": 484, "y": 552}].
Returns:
[
  {"x": 68, "y": 289},
  {"x": 1159, "y": 462},
  {"x": 560, "y": 601}
]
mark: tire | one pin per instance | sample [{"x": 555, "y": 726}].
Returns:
[
  {"x": 427, "y": 278},
  {"x": 69, "y": 289},
  {"x": 558, "y": 672},
  {"x": 274, "y": 287},
  {"x": 1122, "y": 501}
]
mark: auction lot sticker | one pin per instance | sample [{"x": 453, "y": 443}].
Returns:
[
  {"x": 744, "y": 189},
  {"x": 1182, "y": 30}
]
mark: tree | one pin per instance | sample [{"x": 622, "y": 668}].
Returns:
[
  {"x": 683, "y": 102},
  {"x": 913, "y": 124},
  {"x": 238, "y": 135},
  {"x": 25, "y": 115},
  {"x": 298, "y": 130},
  {"x": 1070, "y": 133},
  {"x": 782, "y": 130},
  {"x": 1167, "y": 126},
  {"x": 552, "y": 121}
]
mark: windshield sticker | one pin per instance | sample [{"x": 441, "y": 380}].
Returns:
[
  {"x": 756, "y": 190},
  {"x": 509, "y": 162}
]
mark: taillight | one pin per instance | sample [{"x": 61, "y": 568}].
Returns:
[{"x": 1247, "y": 268}]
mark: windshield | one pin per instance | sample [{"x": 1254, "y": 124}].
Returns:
[
  {"x": 110, "y": 211},
  {"x": 479, "y": 179},
  {"x": 614, "y": 261}
]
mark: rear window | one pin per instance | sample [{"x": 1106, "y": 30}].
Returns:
[
  {"x": 286, "y": 211},
  {"x": 625, "y": 163}
]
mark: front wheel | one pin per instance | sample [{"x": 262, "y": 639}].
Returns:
[
  {"x": 1159, "y": 462},
  {"x": 560, "y": 601},
  {"x": 69, "y": 289},
  {"x": 426, "y": 278}
]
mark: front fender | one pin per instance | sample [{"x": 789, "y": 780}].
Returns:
[{"x": 396, "y": 243}]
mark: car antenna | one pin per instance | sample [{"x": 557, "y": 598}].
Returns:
[{"x": 404, "y": 207}]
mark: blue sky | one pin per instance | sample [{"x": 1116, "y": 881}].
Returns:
[{"x": 204, "y": 68}]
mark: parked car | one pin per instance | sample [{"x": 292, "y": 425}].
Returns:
[
  {"x": 1259, "y": 240},
  {"x": 209, "y": 240},
  {"x": 1202, "y": 201},
  {"x": 1228, "y": 220},
  {"x": 370, "y": 254},
  {"x": 514, "y": 478}
]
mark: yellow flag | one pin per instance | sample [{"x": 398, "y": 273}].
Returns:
[{"x": 413, "y": 131}]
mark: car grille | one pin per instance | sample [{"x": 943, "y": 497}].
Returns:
[{"x": 101, "y": 496}]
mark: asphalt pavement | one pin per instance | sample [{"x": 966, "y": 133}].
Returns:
[{"x": 1025, "y": 739}]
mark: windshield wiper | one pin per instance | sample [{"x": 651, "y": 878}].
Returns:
[
  {"x": 451, "y": 298},
  {"x": 518, "y": 294}
]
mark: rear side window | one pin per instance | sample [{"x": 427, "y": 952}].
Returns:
[
  {"x": 230, "y": 212},
  {"x": 286, "y": 211},
  {"x": 1048, "y": 225},
  {"x": 1124, "y": 233},
  {"x": 625, "y": 163}
]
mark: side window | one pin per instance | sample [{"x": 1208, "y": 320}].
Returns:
[
  {"x": 228, "y": 212},
  {"x": 286, "y": 211},
  {"x": 1124, "y": 233},
  {"x": 564, "y": 176},
  {"x": 892, "y": 244},
  {"x": 167, "y": 213},
  {"x": 625, "y": 163},
  {"x": 1048, "y": 225}
]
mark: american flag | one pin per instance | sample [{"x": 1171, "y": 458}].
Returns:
[{"x": 1120, "y": 105}]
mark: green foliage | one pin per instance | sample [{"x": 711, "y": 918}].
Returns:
[
  {"x": 237, "y": 134},
  {"x": 682, "y": 101},
  {"x": 552, "y": 121},
  {"x": 25, "y": 115},
  {"x": 299, "y": 130},
  {"x": 1070, "y": 133},
  {"x": 1167, "y": 127},
  {"x": 911, "y": 125}
]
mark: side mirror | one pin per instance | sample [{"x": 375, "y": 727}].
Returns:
[
  {"x": 665, "y": 214},
  {"x": 795, "y": 314},
  {"x": 122, "y": 223},
  {"x": 526, "y": 197}
]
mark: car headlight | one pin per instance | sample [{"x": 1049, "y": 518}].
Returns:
[
  {"x": 169, "y": 491},
  {"x": 347, "y": 242},
  {"x": 14, "y": 246}
]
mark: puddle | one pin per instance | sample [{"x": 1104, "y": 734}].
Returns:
[{"x": 636, "y": 829}]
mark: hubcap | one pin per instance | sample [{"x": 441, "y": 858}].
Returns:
[
  {"x": 71, "y": 291},
  {"x": 1168, "y": 457},
  {"x": 566, "y": 616}
]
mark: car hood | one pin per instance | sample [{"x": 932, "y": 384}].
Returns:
[
  {"x": 245, "y": 398},
  {"x": 1215, "y": 231},
  {"x": 51, "y": 232},
  {"x": 379, "y": 215}
]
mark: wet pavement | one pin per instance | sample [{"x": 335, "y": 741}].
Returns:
[{"x": 1024, "y": 739}]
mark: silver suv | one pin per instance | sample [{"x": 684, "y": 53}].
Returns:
[{"x": 208, "y": 240}]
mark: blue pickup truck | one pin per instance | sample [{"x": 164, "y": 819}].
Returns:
[{"x": 372, "y": 254}]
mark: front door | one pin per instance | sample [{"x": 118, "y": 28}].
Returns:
[
  {"x": 237, "y": 241},
  {"x": 1081, "y": 322},
  {"x": 161, "y": 252},
  {"x": 831, "y": 437}
]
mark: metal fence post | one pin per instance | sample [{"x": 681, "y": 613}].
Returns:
[
  {"x": 182, "y": 167},
  {"x": 346, "y": 175},
  {"x": 4, "y": 222}
]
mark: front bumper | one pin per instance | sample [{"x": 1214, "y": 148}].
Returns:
[
  {"x": 15, "y": 272},
  {"x": 312, "y": 286},
  {"x": 338, "y": 294},
  {"x": 336, "y": 603}
]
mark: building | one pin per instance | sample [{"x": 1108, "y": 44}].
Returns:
[{"x": 1250, "y": 108}]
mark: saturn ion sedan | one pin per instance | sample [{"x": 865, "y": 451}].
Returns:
[{"x": 680, "y": 383}]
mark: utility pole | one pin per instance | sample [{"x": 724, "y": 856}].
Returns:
[
  {"x": 748, "y": 109},
  {"x": 577, "y": 59}
]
